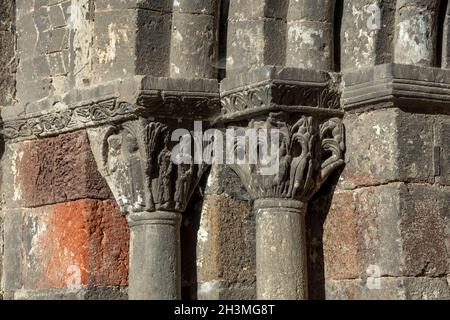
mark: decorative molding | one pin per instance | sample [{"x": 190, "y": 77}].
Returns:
[
  {"x": 280, "y": 95},
  {"x": 393, "y": 85},
  {"x": 185, "y": 105},
  {"x": 83, "y": 116},
  {"x": 150, "y": 103}
]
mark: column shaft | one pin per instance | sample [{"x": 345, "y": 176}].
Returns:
[
  {"x": 155, "y": 256},
  {"x": 281, "y": 271}
]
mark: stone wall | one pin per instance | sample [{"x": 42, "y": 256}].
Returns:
[
  {"x": 7, "y": 58},
  {"x": 90, "y": 89}
]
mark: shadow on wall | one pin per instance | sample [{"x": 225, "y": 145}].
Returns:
[
  {"x": 316, "y": 216},
  {"x": 189, "y": 230}
]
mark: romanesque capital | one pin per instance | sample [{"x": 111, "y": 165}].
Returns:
[
  {"x": 304, "y": 107},
  {"x": 135, "y": 158},
  {"x": 310, "y": 149}
]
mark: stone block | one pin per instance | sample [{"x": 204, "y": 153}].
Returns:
[
  {"x": 83, "y": 293},
  {"x": 12, "y": 242},
  {"x": 222, "y": 180},
  {"x": 57, "y": 16},
  {"x": 341, "y": 289},
  {"x": 226, "y": 241},
  {"x": 204, "y": 7},
  {"x": 425, "y": 230},
  {"x": 131, "y": 42},
  {"x": 157, "y": 5},
  {"x": 379, "y": 238},
  {"x": 340, "y": 238},
  {"x": 223, "y": 290},
  {"x": 311, "y": 10},
  {"x": 387, "y": 145},
  {"x": 193, "y": 46},
  {"x": 254, "y": 9},
  {"x": 73, "y": 244},
  {"x": 253, "y": 44},
  {"x": 53, "y": 170},
  {"x": 405, "y": 288},
  {"x": 442, "y": 150},
  {"x": 403, "y": 230}
]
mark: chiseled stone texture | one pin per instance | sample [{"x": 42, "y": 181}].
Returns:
[
  {"x": 256, "y": 34},
  {"x": 225, "y": 250},
  {"x": 54, "y": 41},
  {"x": 131, "y": 38},
  {"x": 69, "y": 245},
  {"x": 363, "y": 42},
  {"x": 52, "y": 170},
  {"x": 386, "y": 146},
  {"x": 396, "y": 288},
  {"x": 442, "y": 150},
  {"x": 82, "y": 293},
  {"x": 398, "y": 233},
  {"x": 340, "y": 238},
  {"x": 225, "y": 242},
  {"x": 7, "y": 56}
]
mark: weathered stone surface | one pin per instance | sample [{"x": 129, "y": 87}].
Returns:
[
  {"x": 404, "y": 288},
  {"x": 386, "y": 146},
  {"x": 12, "y": 244},
  {"x": 256, "y": 34},
  {"x": 7, "y": 56},
  {"x": 222, "y": 180},
  {"x": 67, "y": 246},
  {"x": 341, "y": 289},
  {"x": 155, "y": 261},
  {"x": 442, "y": 150},
  {"x": 194, "y": 49},
  {"x": 416, "y": 32},
  {"x": 54, "y": 42},
  {"x": 56, "y": 170},
  {"x": 379, "y": 238},
  {"x": 367, "y": 33},
  {"x": 251, "y": 9},
  {"x": 310, "y": 34},
  {"x": 137, "y": 42},
  {"x": 340, "y": 239},
  {"x": 403, "y": 230},
  {"x": 281, "y": 267},
  {"x": 83, "y": 293},
  {"x": 225, "y": 242},
  {"x": 425, "y": 226}
]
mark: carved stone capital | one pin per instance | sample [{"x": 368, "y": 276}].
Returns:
[
  {"x": 135, "y": 157},
  {"x": 304, "y": 107},
  {"x": 310, "y": 149}
]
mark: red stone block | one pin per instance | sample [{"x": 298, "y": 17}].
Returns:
[
  {"x": 59, "y": 169},
  {"x": 340, "y": 238},
  {"x": 76, "y": 243}
]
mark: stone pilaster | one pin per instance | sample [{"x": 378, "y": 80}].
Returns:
[{"x": 304, "y": 107}]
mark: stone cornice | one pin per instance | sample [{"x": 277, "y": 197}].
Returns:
[
  {"x": 272, "y": 89},
  {"x": 114, "y": 102},
  {"x": 394, "y": 85}
]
